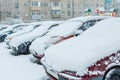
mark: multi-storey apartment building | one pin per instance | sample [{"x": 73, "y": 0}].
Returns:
[{"x": 52, "y": 9}]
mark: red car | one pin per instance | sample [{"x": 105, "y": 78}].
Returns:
[
  {"x": 70, "y": 28},
  {"x": 93, "y": 55}
]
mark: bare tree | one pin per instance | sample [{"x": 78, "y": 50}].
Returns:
[{"x": 6, "y": 9}]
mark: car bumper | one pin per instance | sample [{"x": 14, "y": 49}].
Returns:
[
  {"x": 54, "y": 75},
  {"x": 57, "y": 76}
]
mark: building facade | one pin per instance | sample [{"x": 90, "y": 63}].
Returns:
[{"x": 30, "y": 10}]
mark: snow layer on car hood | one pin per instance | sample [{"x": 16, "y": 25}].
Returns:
[
  {"x": 38, "y": 45},
  {"x": 76, "y": 54},
  {"x": 27, "y": 37},
  {"x": 25, "y": 30}
]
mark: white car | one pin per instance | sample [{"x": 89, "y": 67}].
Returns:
[
  {"x": 64, "y": 31},
  {"x": 88, "y": 56},
  {"x": 3, "y": 27},
  {"x": 30, "y": 27},
  {"x": 20, "y": 44},
  {"x": 11, "y": 29}
]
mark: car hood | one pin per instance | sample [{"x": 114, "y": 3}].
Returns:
[
  {"x": 21, "y": 32},
  {"x": 16, "y": 41},
  {"x": 38, "y": 45},
  {"x": 78, "y": 53}
]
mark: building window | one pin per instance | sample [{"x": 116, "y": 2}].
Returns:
[
  {"x": 16, "y": 5},
  {"x": 55, "y": 4},
  {"x": 25, "y": 4},
  {"x": 69, "y": 13},
  {"x": 36, "y": 3},
  {"x": 35, "y": 12},
  {"x": 68, "y": 0},
  {"x": 68, "y": 5},
  {"x": 55, "y": 12}
]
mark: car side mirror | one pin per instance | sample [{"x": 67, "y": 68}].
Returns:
[{"x": 78, "y": 32}]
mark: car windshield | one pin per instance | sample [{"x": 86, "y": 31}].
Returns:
[
  {"x": 36, "y": 26},
  {"x": 53, "y": 26},
  {"x": 2, "y": 28},
  {"x": 19, "y": 27}
]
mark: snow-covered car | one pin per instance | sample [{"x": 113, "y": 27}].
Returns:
[
  {"x": 29, "y": 28},
  {"x": 69, "y": 29},
  {"x": 87, "y": 56},
  {"x": 3, "y": 27},
  {"x": 20, "y": 44},
  {"x": 11, "y": 29}
]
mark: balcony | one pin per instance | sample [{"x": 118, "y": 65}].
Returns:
[{"x": 36, "y": 17}]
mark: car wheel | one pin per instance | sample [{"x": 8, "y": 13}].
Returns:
[
  {"x": 112, "y": 74},
  {"x": 3, "y": 38},
  {"x": 23, "y": 49}
]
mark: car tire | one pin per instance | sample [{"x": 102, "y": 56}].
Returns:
[
  {"x": 3, "y": 38},
  {"x": 112, "y": 74},
  {"x": 23, "y": 49}
]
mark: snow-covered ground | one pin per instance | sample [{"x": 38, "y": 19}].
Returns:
[{"x": 18, "y": 67}]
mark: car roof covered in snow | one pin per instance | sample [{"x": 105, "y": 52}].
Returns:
[
  {"x": 76, "y": 54},
  {"x": 38, "y": 32},
  {"x": 65, "y": 29},
  {"x": 71, "y": 25},
  {"x": 88, "y": 18},
  {"x": 12, "y": 27}
]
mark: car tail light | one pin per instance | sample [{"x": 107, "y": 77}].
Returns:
[{"x": 38, "y": 56}]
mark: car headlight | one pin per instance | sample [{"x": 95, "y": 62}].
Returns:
[
  {"x": 71, "y": 73},
  {"x": 10, "y": 38},
  {"x": 38, "y": 56}
]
